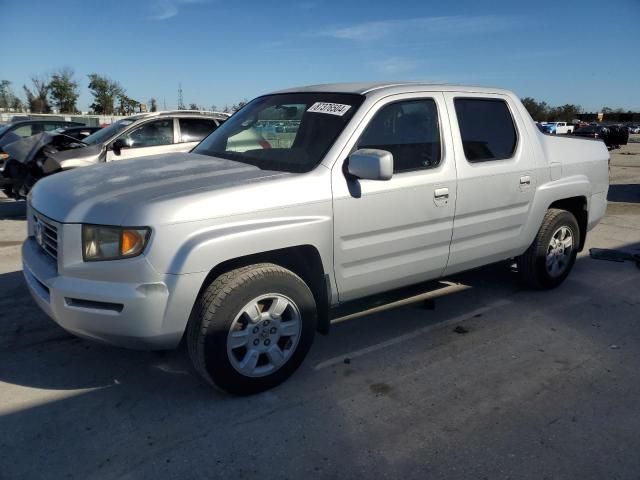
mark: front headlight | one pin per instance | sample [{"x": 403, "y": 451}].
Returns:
[{"x": 113, "y": 243}]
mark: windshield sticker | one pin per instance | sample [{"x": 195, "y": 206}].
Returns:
[{"x": 330, "y": 108}]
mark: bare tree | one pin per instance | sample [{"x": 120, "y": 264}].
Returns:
[
  {"x": 37, "y": 95},
  {"x": 8, "y": 100}
]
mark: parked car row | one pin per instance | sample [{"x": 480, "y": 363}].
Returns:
[
  {"x": 36, "y": 149},
  {"x": 614, "y": 136},
  {"x": 244, "y": 246},
  {"x": 557, "y": 128}
]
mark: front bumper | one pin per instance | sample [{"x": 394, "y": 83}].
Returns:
[{"x": 148, "y": 315}]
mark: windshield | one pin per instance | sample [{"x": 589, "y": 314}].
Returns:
[
  {"x": 107, "y": 132},
  {"x": 4, "y": 129},
  {"x": 288, "y": 132}
]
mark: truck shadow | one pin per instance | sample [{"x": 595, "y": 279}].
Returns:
[
  {"x": 51, "y": 358},
  {"x": 628, "y": 193},
  {"x": 12, "y": 209}
]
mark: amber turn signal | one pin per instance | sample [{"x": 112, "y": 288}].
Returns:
[{"x": 131, "y": 242}]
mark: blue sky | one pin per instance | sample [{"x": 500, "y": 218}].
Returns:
[{"x": 564, "y": 51}]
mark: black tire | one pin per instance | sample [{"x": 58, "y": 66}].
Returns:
[
  {"x": 532, "y": 264},
  {"x": 222, "y": 301}
]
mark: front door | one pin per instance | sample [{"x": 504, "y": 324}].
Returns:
[
  {"x": 150, "y": 138},
  {"x": 389, "y": 234},
  {"x": 496, "y": 179}
]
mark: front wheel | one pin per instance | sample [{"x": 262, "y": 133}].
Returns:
[
  {"x": 550, "y": 258},
  {"x": 251, "y": 328}
]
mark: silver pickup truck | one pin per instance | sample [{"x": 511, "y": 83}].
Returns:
[{"x": 303, "y": 200}]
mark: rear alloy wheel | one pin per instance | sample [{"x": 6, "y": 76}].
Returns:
[
  {"x": 559, "y": 252},
  {"x": 251, "y": 328},
  {"x": 551, "y": 256}
]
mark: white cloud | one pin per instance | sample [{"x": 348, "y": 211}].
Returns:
[
  {"x": 307, "y": 5},
  {"x": 422, "y": 26},
  {"x": 166, "y": 9},
  {"x": 395, "y": 65}
]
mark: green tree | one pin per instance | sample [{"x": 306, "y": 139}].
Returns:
[
  {"x": 38, "y": 95},
  {"x": 104, "y": 91},
  {"x": 63, "y": 90},
  {"x": 541, "y": 111},
  {"x": 538, "y": 110},
  {"x": 127, "y": 105},
  {"x": 193, "y": 106},
  {"x": 153, "y": 105},
  {"x": 568, "y": 112},
  {"x": 238, "y": 106}
]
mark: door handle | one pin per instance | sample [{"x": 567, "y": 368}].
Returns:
[
  {"x": 525, "y": 180},
  {"x": 441, "y": 193}
]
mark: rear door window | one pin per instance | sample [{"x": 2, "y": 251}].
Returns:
[
  {"x": 486, "y": 128},
  {"x": 26, "y": 130},
  {"x": 195, "y": 129}
]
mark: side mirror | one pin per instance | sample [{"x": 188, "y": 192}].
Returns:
[
  {"x": 118, "y": 145},
  {"x": 371, "y": 164}
]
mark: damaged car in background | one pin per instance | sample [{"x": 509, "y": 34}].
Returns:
[
  {"x": 32, "y": 158},
  {"x": 19, "y": 129},
  {"x": 79, "y": 133},
  {"x": 137, "y": 136}
]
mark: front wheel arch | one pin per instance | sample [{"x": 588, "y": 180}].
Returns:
[{"x": 303, "y": 260}]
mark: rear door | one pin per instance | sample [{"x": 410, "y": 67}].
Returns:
[
  {"x": 394, "y": 233},
  {"x": 192, "y": 131},
  {"x": 496, "y": 180}
]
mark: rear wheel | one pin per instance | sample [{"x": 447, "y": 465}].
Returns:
[
  {"x": 550, "y": 258},
  {"x": 252, "y": 328}
]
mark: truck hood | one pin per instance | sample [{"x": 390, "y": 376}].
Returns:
[{"x": 128, "y": 190}]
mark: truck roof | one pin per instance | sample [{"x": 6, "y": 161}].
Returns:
[
  {"x": 204, "y": 113},
  {"x": 365, "y": 88}
]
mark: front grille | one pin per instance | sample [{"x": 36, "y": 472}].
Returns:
[{"x": 46, "y": 234}]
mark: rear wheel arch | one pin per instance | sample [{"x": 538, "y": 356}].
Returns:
[
  {"x": 552, "y": 254},
  {"x": 579, "y": 208}
]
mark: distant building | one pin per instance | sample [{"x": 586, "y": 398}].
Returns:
[{"x": 628, "y": 117}]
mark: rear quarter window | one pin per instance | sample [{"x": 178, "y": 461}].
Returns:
[
  {"x": 195, "y": 129},
  {"x": 486, "y": 129}
]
